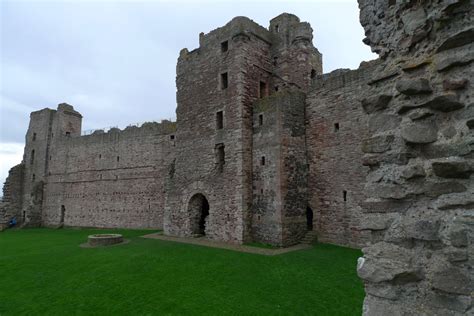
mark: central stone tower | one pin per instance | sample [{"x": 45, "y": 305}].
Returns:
[{"x": 213, "y": 186}]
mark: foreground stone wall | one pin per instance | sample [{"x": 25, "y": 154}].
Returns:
[{"x": 420, "y": 190}]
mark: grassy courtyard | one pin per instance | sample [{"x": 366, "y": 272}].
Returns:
[{"x": 45, "y": 272}]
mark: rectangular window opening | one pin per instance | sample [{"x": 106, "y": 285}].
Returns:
[
  {"x": 118, "y": 158},
  {"x": 224, "y": 81},
  {"x": 68, "y": 133},
  {"x": 220, "y": 157},
  {"x": 275, "y": 61},
  {"x": 263, "y": 89},
  {"x": 277, "y": 28},
  {"x": 260, "y": 119},
  {"x": 224, "y": 46},
  {"x": 34, "y": 136},
  {"x": 172, "y": 137},
  {"x": 32, "y": 157},
  {"x": 276, "y": 88},
  {"x": 220, "y": 120},
  {"x": 262, "y": 161},
  {"x": 344, "y": 195},
  {"x": 336, "y": 127},
  {"x": 33, "y": 178}
]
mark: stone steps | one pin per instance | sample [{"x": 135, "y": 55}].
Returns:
[{"x": 310, "y": 238}]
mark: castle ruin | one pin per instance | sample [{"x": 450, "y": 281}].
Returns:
[{"x": 267, "y": 148}]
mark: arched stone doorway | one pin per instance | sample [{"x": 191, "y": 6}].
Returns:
[
  {"x": 199, "y": 211},
  {"x": 309, "y": 218}
]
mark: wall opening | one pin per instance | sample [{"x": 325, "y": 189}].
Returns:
[
  {"x": 62, "y": 215},
  {"x": 277, "y": 28},
  {"x": 262, "y": 161},
  {"x": 24, "y": 217},
  {"x": 275, "y": 61},
  {"x": 309, "y": 218},
  {"x": 263, "y": 89},
  {"x": 118, "y": 158},
  {"x": 336, "y": 127},
  {"x": 34, "y": 136},
  {"x": 172, "y": 137},
  {"x": 220, "y": 120},
  {"x": 220, "y": 156},
  {"x": 198, "y": 209},
  {"x": 344, "y": 195},
  {"x": 224, "y": 46},
  {"x": 224, "y": 81},
  {"x": 33, "y": 178},
  {"x": 260, "y": 119},
  {"x": 32, "y": 157},
  {"x": 313, "y": 73},
  {"x": 276, "y": 88},
  {"x": 68, "y": 134}
]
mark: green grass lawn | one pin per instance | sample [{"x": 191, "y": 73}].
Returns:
[{"x": 45, "y": 272}]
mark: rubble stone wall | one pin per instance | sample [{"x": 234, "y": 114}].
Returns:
[{"x": 420, "y": 189}]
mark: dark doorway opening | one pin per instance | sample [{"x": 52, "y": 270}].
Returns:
[
  {"x": 199, "y": 211},
  {"x": 309, "y": 218},
  {"x": 63, "y": 213}
]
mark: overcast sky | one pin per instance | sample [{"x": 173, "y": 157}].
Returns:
[{"x": 115, "y": 60}]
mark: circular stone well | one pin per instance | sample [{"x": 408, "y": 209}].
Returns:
[{"x": 104, "y": 239}]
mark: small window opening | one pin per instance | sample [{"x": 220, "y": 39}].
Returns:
[
  {"x": 118, "y": 158},
  {"x": 261, "y": 191},
  {"x": 100, "y": 156},
  {"x": 262, "y": 161},
  {"x": 62, "y": 215},
  {"x": 344, "y": 195},
  {"x": 224, "y": 46},
  {"x": 336, "y": 127},
  {"x": 277, "y": 28},
  {"x": 220, "y": 157},
  {"x": 313, "y": 73},
  {"x": 68, "y": 133},
  {"x": 34, "y": 136},
  {"x": 172, "y": 137},
  {"x": 24, "y": 216},
  {"x": 224, "y": 81},
  {"x": 50, "y": 157},
  {"x": 276, "y": 88},
  {"x": 116, "y": 177},
  {"x": 263, "y": 89},
  {"x": 32, "y": 157},
  {"x": 260, "y": 119},
  {"x": 275, "y": 61},
  {"x": 220, "y": 120},
  {"x": 33, "y": 178}
]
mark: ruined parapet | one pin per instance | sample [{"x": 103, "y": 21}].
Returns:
[
  {"x": 420, "y": 153},
  {"x": 11, "y": 203},
  {"x": 295, "y": 59}
]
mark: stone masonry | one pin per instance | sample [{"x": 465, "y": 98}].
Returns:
[
  {"x": 266, "y": 148},
  {"x": 419, "y": 190}
]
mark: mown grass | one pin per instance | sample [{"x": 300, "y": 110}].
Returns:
[{"x": 45, "y": 272}]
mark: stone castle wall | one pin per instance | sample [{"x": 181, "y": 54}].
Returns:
[
  {"x": 420, "y": 191},
  {"x": 336, "y": 126},
  {"x": 112, "y": 179}
]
